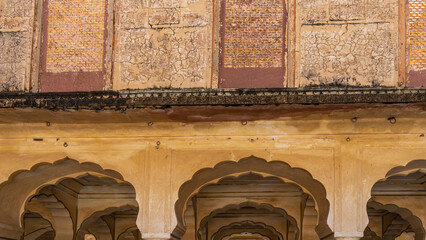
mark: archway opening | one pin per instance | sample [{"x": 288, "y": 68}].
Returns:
[
  {"x": 78, "y": 200},
  {"x": 275, "y": 183},
  {"x": 251, "y": 197},
  {"x": 395, "y": 209},
  {"x": 250, "y": 227},
  {"x": 302, "y": 179}
]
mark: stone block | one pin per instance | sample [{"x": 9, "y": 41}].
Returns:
[
  {"x": 312, "y": 11},
  {"x": 13, "y": 24},
  {"x": 12, "y": 60},
  {"x": 341, "y": 10},
  {"x": 190, "y": 19},
  {"x": 169, "y": 58},
  {"x": 348, "y": 54},
  {"x": 164, "y": 16},
  {"x": 131, "y": 5},
  {"x": 165, "y": 3},
  {"x": 137, "y": 19},
  {"x": 381, "y": 10}
]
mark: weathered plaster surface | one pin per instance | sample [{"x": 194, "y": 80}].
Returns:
[
  {"x": 348, "y": 54},
  {"x": 313, "y": 11},
  {"x": 15, "y": 48},
  {"x": 163, "y": 44},
  {"x": 347, "y": 43},
  {"x": 169, "y": 44}
]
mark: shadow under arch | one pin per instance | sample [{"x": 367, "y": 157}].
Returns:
[
  {"x": 95, "y": 216},
  {"x": 407, "y": 215},
  {"x": 243, "y": 227},
  {"x": 39, "y": 232},
  {"x": 255, "y": 205},
  {"x": 279, "y": 169},
  {"x": 411, "y": 166},
  {"x": 45, "y": 211},
  {"x": 370, "y": 235},
  {"x": 247, "y": 234},
  {"x": 23, "y": 184},
  {"x": 400, "y": 172},
  {"x": 128, "y": 230}
]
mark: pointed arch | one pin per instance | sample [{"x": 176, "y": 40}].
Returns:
[{"x": 279, "y": 169}]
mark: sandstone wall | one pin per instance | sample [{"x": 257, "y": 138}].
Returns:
[
  {"x": 16, "y": 25},
  {"x": 175, "y": 44},
  {"x": 163, "y": 43},
  {"x": 348, "y": 42}
]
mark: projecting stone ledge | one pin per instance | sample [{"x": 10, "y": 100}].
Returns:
[{"x": 129, "y": 99}]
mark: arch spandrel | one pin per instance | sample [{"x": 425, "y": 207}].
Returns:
[
  {"x": 279, "y": 169},
  {"x": 397, "y": 162}
]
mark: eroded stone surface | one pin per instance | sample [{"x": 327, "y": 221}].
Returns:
[
  {"x": 357, "y": 55},
  {"x": 163, "y": 58},
  {"x": 347, "y": 9},
  {"x": 168, "y": 43},
  {"x": 164, "y": 16},
  {"x": 312, "y": 11},
  {"x": 381, "y": 10},
  {"x": 163, "y": 44},
  {"x": 15, "y": 29},
  {"x": 12, "y": 61}
]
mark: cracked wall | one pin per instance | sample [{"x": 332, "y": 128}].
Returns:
[
  {"x": 175, "y": 44},
  {"x": 163, "y": 44},
  {"x": 347, "y": 43},
  {"x": 15, "y": 43}
]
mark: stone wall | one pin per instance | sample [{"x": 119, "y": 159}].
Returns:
[
  {"x": 175, "y": 44},
  {"x": 347, "y": 42},
  {"x": 16, "y": 24},
  {"x": 163, "y": 44}
]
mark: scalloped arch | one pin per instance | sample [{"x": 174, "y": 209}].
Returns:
[
  {"x": 95, "y": 216},
  {"x": 405, "y": 214},
  {"x": 21, "y": 185},
  {"x": 265, "y": 206},
  {"x": 128, "y": 230},
  {"x": 247, "y": 234},
  {"x": 280, "y": 169},
  {"x": 245, "y": 224},
  {"x": 412, "y": 165},
  {"x": 371, "y": 234}
]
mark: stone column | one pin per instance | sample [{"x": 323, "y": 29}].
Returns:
[{"x": 349, "y": 208}]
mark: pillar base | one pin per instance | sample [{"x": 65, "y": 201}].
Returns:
[
  {"x": 348, "y": 236},
  {"x": 156, "y": 236}
]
